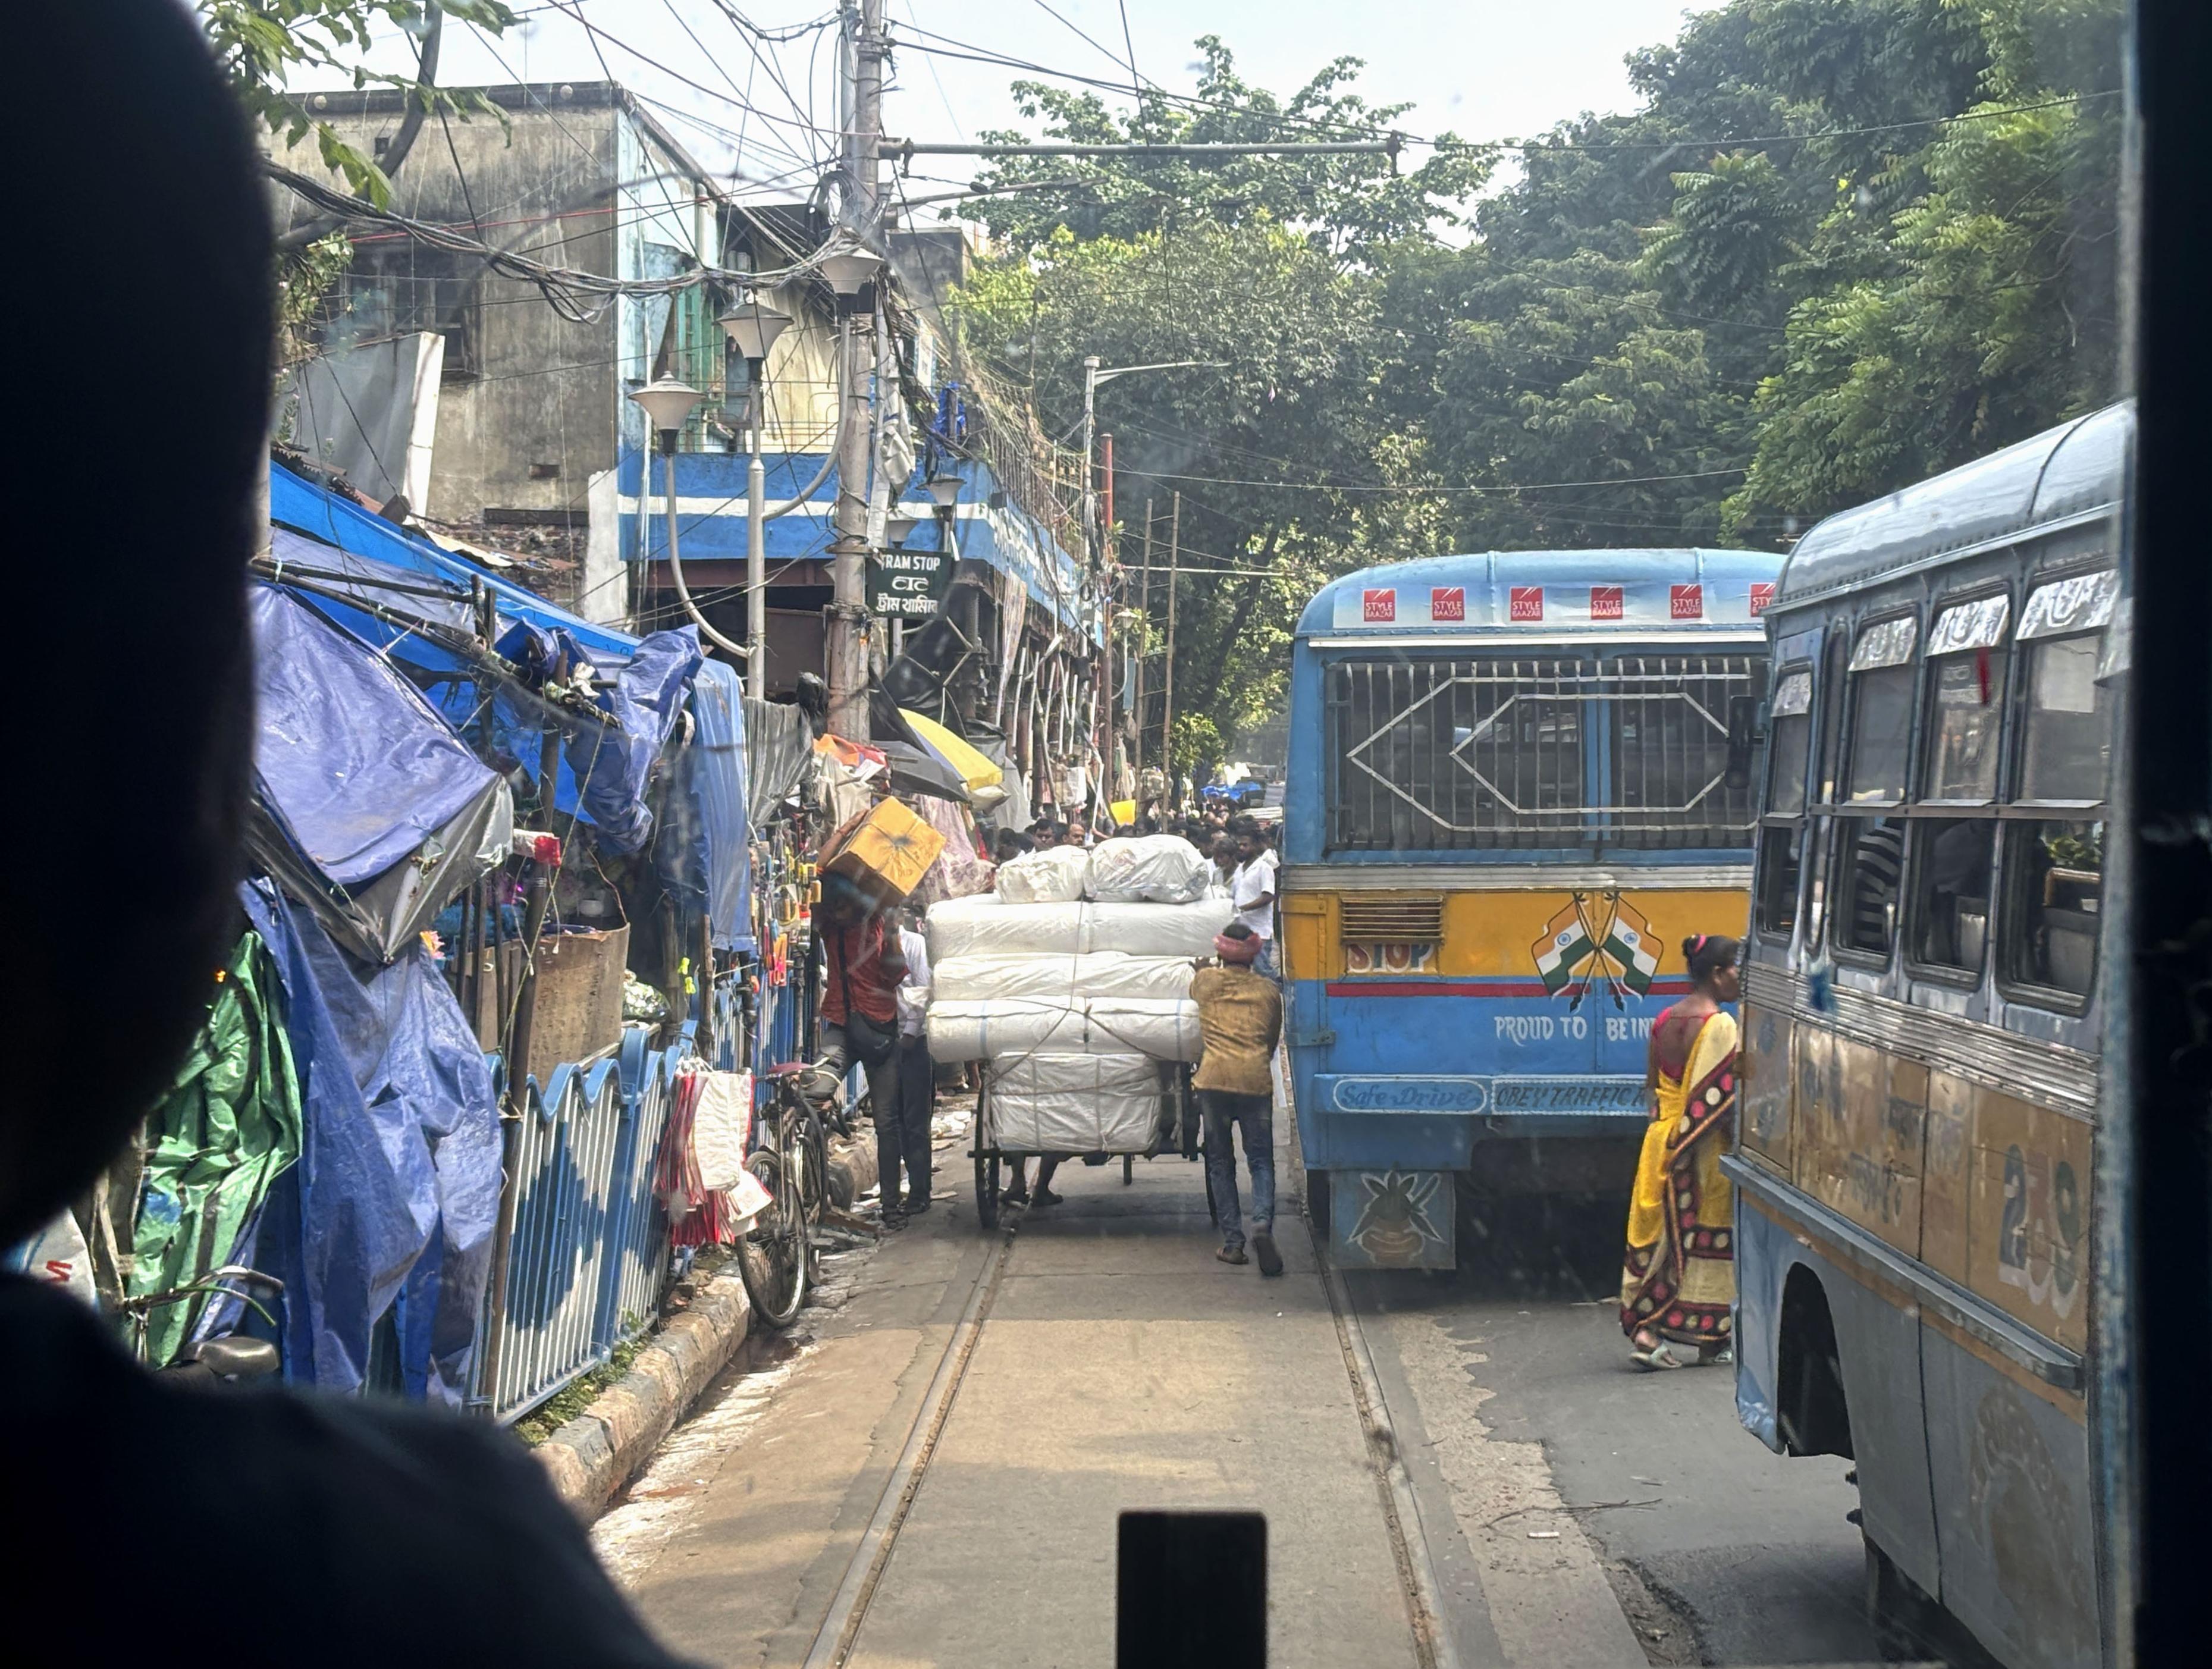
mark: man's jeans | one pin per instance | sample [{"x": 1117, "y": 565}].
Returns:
[
  {"x": 1268, "y": 964},
  {"x": 917, "y": 1099},
  {"x": 883, "y": 1108},
  {"x": 1254, "y": 1116}
]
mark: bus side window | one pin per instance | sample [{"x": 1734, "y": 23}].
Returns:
[
  {"x": 1870, "y": 860},
  {"x": 1951, "y": 858},
  {"x": 1781, "y": 861},
  {"x": 2055, "y": 868},
  {"x": 2055, "y": 874}
]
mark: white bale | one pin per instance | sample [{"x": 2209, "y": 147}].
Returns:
[
  {"x": 1060, "y": 980},
  {"x": 1156, "y": 929},
  {"x": 986, "y": 925},
  {"x": 1164, "y": 1030},
  {"x": 970, "y": 926},
  {"x": 1053, "y": 876},
  {"x": 1147, "y": 869},
  {"x": 1074, "y": 1103}
]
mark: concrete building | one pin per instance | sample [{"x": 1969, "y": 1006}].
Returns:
[{"x": 534, "y": 438}]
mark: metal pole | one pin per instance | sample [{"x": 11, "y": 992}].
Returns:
[
  {"x": 1090, "y": 442},
  {"x": 1167, "y": 712},
  {"x": 755, "y": 536},
  {"x": 1143, "y": 608},
  {"x": 848, "y": 655}
]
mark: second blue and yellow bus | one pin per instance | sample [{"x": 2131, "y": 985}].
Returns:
[{"x": 1511, "y": 792}]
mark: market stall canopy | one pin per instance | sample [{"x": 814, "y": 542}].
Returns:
[
  {"x": 641, "y": 685},
  {"x": 367, "y": 808},
  {"x": 974, "y": 768},
  {"x": 913, "y": 771}
]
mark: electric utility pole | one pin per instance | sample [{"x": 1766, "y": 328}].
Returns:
[{"x": 848, "y": 615}]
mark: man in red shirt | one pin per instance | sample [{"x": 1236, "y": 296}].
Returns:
[{"x": 863, "y": 967}]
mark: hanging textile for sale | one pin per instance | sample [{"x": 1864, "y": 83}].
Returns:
[
  {"x": 710, "y": 1196},
  {"x": 227, "y": 1128}
]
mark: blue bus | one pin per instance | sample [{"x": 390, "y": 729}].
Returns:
[{"x": 1516, "y": 780}]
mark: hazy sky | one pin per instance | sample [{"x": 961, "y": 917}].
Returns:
[{"x": 1481, "y": 69}]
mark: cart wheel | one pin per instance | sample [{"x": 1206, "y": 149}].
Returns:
[
  {"x": 987, "y": 1191},
  {"x": 1128, "y": 1170}
]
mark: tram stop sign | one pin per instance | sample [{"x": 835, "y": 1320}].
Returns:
[{"x": 908, "y": 585}]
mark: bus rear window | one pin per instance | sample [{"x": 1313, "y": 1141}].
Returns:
[{"x": 1626, "y": 752}]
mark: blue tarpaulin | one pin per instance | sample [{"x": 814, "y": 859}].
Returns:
[
  {"x": 352, "y": 761},
  {"x": 702, "y": 854},
  {"x": 396, "y": 1194},
  {"x": 611, "y": 771},
  {"x": 603, "y": 777}
]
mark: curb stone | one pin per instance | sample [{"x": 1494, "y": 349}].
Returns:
[{"x": 592, "y": 1457}]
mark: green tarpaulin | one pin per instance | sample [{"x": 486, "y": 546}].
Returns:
[{"x": 225, "y": 1131}]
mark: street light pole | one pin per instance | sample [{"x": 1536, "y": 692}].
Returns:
[{"x": 752, "y": 330}]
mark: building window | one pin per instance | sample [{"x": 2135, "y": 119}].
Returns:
[
  {"x": 1781, "y": 861},
  {"x": 1951, "y": 867},
  {"x": 1882, "y": 711},
  {"x": 2056, "y": 883},
  {"x": 1871, "y": 859}
]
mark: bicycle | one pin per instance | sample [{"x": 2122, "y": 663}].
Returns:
[
  {"x": 225, "y": 1359},
  {"x": 775, "y": 1260}
]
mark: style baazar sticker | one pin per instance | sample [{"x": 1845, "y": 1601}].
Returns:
[
  {"x": 1525, "y": 603},
  {"x": 1448, "y": 603},
  {"x": 1608, "y": 603},
  {"x": 1686, "y": 602},
  {"x": 1379, "y": 607}
]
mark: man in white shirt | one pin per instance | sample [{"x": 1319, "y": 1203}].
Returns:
[
  {"x": 1252, "y": 891},
  {"x": 916, "y": 1075}
]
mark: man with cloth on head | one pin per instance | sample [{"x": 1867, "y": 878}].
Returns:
[{"x": 1240, "y": 1021}]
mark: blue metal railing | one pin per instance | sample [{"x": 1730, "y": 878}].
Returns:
[{"x": 587, "y": 1253}]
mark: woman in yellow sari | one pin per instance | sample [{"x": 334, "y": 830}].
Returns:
[{"x": 1678, "y": 1281}]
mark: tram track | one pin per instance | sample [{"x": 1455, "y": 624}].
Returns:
[{"x": 1429, "y": 1628}]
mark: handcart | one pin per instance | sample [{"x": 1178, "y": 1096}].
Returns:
[{"x": 1175, "y": 1128}]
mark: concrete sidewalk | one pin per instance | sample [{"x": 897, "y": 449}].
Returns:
[{"x": 1121, "y": 1367}]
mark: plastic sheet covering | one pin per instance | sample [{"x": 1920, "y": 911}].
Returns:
[
  {"x": 985, "y": 925},
  {"x": 958, "y": 872},
  {"x": 1147, "y": 869},
  {"x": 709, "y": 852},
  {"x": 1165, "y": 1030},
  {"x": 227, "y": 1129},
  {"x": 367, "y": 808},
  {"x": 1054, "y": 876},
  {"x": 612, "y": 771},
  {"x": 1074, "y": 1103},
  {"x": 397, "y": 1190},
  {"x": 779, "y": 752},
  {"x": 353, "y": 762},
  {"x": 975, "y": 979}
]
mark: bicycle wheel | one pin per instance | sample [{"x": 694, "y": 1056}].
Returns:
[
  {"x": 813, "y": 1151},
  {"x": 773, "y": 1260}
]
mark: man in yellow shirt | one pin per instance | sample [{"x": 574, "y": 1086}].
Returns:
[{"x": 1240, "y": 1021}]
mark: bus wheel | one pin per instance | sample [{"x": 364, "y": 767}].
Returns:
[
  {"x": 1906, "y": 1620},
  {"x": 1317, "y": 1201}
]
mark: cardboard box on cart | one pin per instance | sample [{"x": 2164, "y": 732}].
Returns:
[{"x": 885, "y": 851}]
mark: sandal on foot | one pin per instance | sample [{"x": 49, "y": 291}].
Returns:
[
  {"x": 1263, "y": 1248},
  {"x": 1045, "y": 1197},
  {"x": 1660, "y": 1356},
  {"x": 1232, "y": 1254}
]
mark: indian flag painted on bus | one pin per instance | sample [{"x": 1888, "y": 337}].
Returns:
[
  {"x": 1629, "y": 942},
  {"x": 1564, "y": 947}
]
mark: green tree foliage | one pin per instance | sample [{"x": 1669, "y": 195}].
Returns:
[
  {"x": 1837, "y": 246},
  {"x": 262, "y": 43}
]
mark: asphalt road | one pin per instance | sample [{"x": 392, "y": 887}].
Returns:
[{"x": 1722, "y": 1552}]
